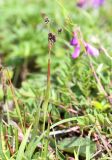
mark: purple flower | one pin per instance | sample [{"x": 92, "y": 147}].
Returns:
[
  {"x": 74, "y": 41},
  {"x": 97, "y": 3},
  {"x": 90, "y": 3},
  {"x": 81, "y": 3},
  {"x": 76, "y": 52},
  {"x": 91, "y": 50}
]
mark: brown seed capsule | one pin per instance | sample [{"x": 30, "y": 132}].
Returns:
[
  {"x": 60, "y": 30},
  {"x": 46, "y": 20},
  {"x": 43, "y": 14},
  {"x": 51, "y": 38}
]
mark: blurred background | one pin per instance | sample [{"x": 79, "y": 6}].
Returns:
[
  {"x": 24, "y": 29},
  {"x": 24, "y": 33}
]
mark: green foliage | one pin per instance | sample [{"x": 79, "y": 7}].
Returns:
[
  {"x": 30, "y": 113},
  {"x": 75, "y": 144}
]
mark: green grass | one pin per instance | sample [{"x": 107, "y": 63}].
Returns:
[{"x": 52, "y": 106}]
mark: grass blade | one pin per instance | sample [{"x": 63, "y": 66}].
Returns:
[{"x": 23, "y": 145}]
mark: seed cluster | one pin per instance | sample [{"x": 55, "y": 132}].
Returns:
[
  {"x": 46, "y": 20},
  {"x": 51, "y": 38}
]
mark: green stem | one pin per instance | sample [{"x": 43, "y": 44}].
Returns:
[
  {"x": 45, "y": 104},
  {"x": 45, "y": 111}
]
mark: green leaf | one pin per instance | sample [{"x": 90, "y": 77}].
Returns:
[
  {"x": 71, "y": 144},
  {"x": 23, "y": 145},
  {"x": 100, "y": 106},
  {"x": 32, "y": 145}
]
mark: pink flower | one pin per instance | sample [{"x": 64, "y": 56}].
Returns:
[
  {"x": 81, "y": 3},
  {"x": 90, "y": 3},
  {"x": 89, "y": 48},
  {"x": 76, "y": 52},
  {"x": 74, "y": 41},
  {"x": 97, "y": 3}
]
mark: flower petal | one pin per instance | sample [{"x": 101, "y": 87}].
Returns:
[
  {"x": 97, "y": 3},
  {"x": 81, "y": 3},
  {"x": 74, "y": 41},
  {"x": 76, "y": 52},
  {"x": 90, "y": 3},
  {"x": 91, "y": 50}
]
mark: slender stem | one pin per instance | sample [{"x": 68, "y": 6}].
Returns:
[
  {"x": 97, "y": 79},
  {"x": 45, "y": 109},
  {"x": 45, "y": 104}
]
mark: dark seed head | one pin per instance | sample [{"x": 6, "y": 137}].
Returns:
[
  {"x": 46, "y": 20},
  {"x": 51, "y": 38},
  {"x": 43, "y": 14},
  {"x": 60, "y": 30}
]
